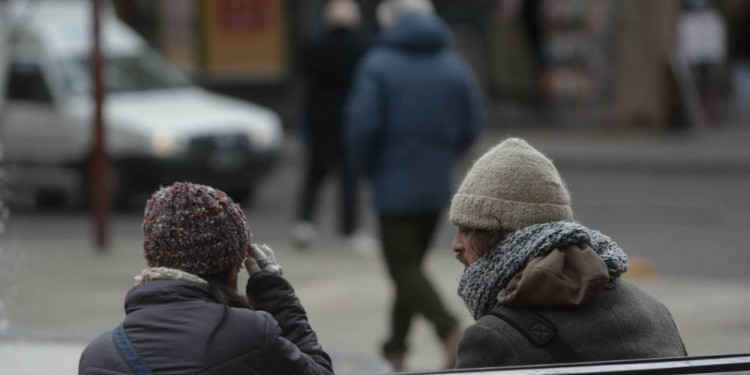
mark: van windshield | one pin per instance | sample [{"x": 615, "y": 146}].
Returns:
[{"x": 125, "y": 73}]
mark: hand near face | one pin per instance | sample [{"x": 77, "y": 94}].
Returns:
[{"x": 261, "y": 257}]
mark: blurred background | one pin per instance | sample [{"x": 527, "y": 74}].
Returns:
[{"x": 643, "y": 105}]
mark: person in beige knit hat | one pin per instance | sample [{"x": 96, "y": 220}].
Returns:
[
  {"x": 542, "y": 287},
  {"x": 513, "y": 184}
]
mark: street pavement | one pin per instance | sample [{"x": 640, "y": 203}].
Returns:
[{"x": 677, "y": 204}]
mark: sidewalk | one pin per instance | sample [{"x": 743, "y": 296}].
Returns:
[
  {"x": 67, "y": 296},
  {"x": 721, "y": 150},
  {"x": 58, "y": 292}
]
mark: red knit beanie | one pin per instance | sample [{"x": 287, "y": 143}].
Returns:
[{"x": 194, "y": 228}]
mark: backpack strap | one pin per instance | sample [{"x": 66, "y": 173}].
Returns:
[
  {"x": 538, "y": 330},
  {"x": 128, "y": 352}
]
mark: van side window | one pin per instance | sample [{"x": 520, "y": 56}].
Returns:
[{"x": 26, "y": 83}]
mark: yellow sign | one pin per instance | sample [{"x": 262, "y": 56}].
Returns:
[{"x": 245, "y": 39}]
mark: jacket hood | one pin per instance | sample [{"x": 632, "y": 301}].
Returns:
[
  {"x": 566, "y": 277},
  {"x": 418, "y": 32}
]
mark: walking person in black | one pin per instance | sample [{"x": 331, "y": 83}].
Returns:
[{"x": 329, "y": 63}]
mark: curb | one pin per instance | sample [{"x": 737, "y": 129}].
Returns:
[
  {"x": 597, "y": 163},
  {"x": 639, "y": 269}
]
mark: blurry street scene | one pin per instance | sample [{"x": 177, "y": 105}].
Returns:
[{"x": 644, "y": 107}]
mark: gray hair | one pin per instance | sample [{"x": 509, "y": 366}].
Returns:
[
  {"x": 342, "y": 13},
  {"x": 390, "y": 11}
]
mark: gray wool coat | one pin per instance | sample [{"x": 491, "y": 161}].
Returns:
[
  {"x": 568, "y": 286},
  {"x": 621, "y": 323}
]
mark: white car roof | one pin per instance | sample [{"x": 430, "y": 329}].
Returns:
[{"x": 65, "y": 27}]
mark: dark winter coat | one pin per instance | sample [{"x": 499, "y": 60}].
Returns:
[
  {"x": 178, "y": 327},
  {"x": 741, "y": 42},
  {"x": 329, "y": 63},
  {"x": 414, "y": 108},
  {"x": 598, "y": 324}
]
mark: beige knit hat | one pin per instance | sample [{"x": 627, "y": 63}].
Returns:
[{"x": 510, "y": 187}]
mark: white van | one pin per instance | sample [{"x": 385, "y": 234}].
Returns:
[{"x": 160, "y": 127}]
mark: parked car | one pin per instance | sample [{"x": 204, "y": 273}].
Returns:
[{"x": 160, "y": 127}]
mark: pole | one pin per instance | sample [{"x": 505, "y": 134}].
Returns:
[
  {"x": 6, "y": 28},
  {"x": 99, "y": 197}
]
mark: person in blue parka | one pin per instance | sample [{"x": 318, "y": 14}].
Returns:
[{"x": 415, "y": 108}]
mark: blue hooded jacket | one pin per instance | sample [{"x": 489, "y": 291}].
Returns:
[{"x": 414, "y": 109}]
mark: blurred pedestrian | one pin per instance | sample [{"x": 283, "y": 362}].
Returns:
[
  {"x": 414, "y": 109},
  {"x": 531, "y": 22},
  {"x": 185, "y": 316},
  {"x": 329, "y": 64},
  {"x": 542, "y": 287},
  {"x": 702, "y": 42},
  {"x": 741, "y": 63}
]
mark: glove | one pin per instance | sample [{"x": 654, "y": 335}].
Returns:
[{"x": 261, "y": 258}]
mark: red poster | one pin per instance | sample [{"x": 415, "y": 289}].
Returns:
[{"x": 243, "y": 16}]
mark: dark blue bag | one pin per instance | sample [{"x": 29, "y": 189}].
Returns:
[{"x": 128, "y": 352}]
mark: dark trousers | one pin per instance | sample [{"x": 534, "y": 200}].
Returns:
[
  {"x": 406, "y": 240},
  {"x": 321, "y": 161}
]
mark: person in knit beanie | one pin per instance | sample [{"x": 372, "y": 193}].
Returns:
[
  {"x": 510, "y": 187},
  {"x": 529, "y": 264},
  {"x": 194, "y": 228},
  {"x": 185, "y": 312}
]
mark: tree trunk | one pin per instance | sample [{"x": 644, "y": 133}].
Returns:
[{"x": 642, "y": 81}]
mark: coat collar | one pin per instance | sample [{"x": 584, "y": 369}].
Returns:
[{"x": 166, "y": 291}]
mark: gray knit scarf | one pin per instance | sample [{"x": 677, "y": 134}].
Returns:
[{"x": 485, "y": 278}]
